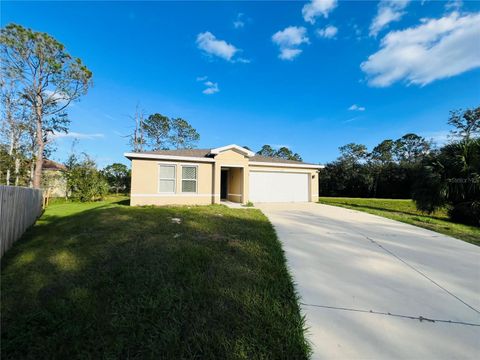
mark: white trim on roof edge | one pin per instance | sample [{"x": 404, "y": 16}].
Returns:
[
  {"x": 218, "y": 150},
  {"x": 212, "y": 160},
  {"x": 279, "y": 164},
  {"x": 167, "y": 157}
]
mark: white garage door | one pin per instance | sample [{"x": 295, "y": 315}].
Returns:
[{"x": 278, "y": 187}]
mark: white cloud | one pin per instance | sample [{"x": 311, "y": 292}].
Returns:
[
  {"x": 288, "y": 40},
  {"x": 439, "y": 137},
  {"x": 454, "y": 4},
  {"x": 77, "y": 135},
  {"x": 328, "y": 32},
  {"x": 315, "y": 8},
  {"x": 289, "y": 54},
  {"x": 211, "y": 88},
  {"x": 238, "y": 23},
  {"x": 435, "y": 49},
  {"x": 208, "y": 43},
  {"x": 355, "y": 107},
  {"x": 388, "y": 11}
]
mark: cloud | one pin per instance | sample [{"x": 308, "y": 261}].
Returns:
[
  {"x": 355, "y": 107},
  {"x": 77, "y": 135},
  {"x": 388, "y": 11},
  {"x": 238, "y": 23},
  {"x": 439, "y": 137},
  {"x": 208, "y": 43},
  {"x": 435, "y": 49},
  {"x": 315, "y": 8},
  {"x": 212, "y": 88},
  {"x": 328, "y": 32},
  {"x": 454, "y": 4},
  {"x": 288, "y": 40}
]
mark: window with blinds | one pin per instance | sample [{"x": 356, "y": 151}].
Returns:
[
  {"x": 189, "y": 179},
  {"x": 167, "y": 179}
]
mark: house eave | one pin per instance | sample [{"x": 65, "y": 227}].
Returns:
[
  {"x": 131, "y": 156},
  {"x": 278, "y": 164}
]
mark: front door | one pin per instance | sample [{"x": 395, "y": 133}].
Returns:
[{"x": 224, "y": 184}]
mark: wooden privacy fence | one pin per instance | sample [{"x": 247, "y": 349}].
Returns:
[{"x": 19, "y": 208}]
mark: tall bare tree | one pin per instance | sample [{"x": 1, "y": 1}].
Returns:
[
  {"x": 137, "y": 139},
  {"x": 49, "y": 80}
]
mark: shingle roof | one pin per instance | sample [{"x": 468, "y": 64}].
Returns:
[
  {"x": 52, "y": 165},
  {"x": 261, "y": 158},
  {"x": 181, "y": 152},
  {"x": 201, "y": 153}
]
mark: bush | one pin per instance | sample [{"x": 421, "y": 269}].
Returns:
[
  {"x": 467, "y": 212},
  {"x": 84, "y": 181}
]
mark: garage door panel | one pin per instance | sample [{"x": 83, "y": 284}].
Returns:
[{"x": 278, "y": 187}]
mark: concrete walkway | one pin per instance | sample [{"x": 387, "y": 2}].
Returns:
[{"x": 374, "y": 288}]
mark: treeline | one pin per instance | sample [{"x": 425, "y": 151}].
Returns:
[{"x": 412, "y": 167}]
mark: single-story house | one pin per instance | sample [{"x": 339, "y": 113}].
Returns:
[
  {"x": 207, "y": 176},
  {"x": 54, "y": 182}
]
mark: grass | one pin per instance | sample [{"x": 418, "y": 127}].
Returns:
[
  {"x": 105, "y": 280},
  {"x": 405, "y": 211}
]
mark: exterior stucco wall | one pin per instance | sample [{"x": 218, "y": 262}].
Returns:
[
  {"x": 235, "y": 185},
  {"x": 145, "y": 184},
  {"x": 313, "y": 178}
]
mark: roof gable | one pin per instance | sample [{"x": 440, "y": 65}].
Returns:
[{"x": 239, "y": 149}]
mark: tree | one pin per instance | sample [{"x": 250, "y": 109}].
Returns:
[
  {"x": 411, "y": 148},
  {"x": 266, "y": 150},
  {"x": 282, "y": 153},
  {"x": 451, "y": 175},
  {"x": 84, "y": 181},
  {"x": 49, "y": 80},
  {"x": 353, "y": 153},
  {"x": 383, "y": 152},
  {"x": 183, "y": 135},
  {"x": 286, "y": 153},
  {"x": 156, "y": 129},
  {"x": 118, "y": 176},
  {"x": 162, "y": 133},
  {"x": 137, "y": 140},
  {"x": 466, "y": 123}
]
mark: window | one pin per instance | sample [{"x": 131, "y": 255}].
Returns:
[
  {"x": 167, "y": 179},
  {"x": 189, "y": 179}
]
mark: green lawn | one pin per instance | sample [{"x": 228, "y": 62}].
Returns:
[
  {"x": 405, "y": 211},
  {"x": 105, "y": 280}
]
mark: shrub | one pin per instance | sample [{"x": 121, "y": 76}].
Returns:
[{"x": 467, "y": 212}]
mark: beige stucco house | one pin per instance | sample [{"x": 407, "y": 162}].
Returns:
[{"x": 208, "y": 176}]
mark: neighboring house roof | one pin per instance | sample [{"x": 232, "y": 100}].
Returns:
[
  {"x": 52, "y": 165},
  {"x": 207, "y": 155}
]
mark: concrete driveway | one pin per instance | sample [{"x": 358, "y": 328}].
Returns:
[{"x": 373, "y": 288}]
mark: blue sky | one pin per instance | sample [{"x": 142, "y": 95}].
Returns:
[{"x": 309, "y": 75}]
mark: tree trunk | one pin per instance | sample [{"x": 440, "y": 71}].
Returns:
[
  {"x": 17, "y": 170},
  {"x": 37, "y": 177}
]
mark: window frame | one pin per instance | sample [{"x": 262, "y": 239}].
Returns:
[
  {"x": 170, "y": 179},
  {"x": 182, "y": 179}
]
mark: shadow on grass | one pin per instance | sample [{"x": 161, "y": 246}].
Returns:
[
  {"x": 117, "y": 281},
  {"x": 393, "y": 211}
]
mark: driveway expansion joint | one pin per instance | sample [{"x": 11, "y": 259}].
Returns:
[
  {"x": 419, "y": 272},
  {"x": 411, "y": 317}
]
